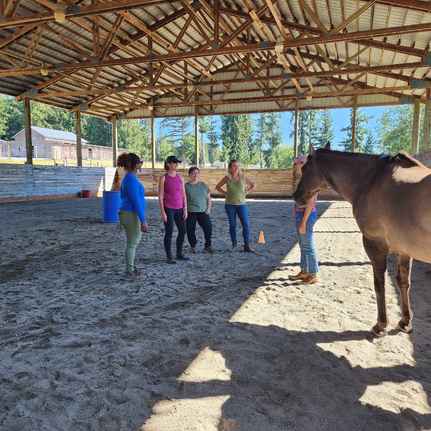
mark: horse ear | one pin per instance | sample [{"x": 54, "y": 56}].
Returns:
[{"x": 328, "y": 145}]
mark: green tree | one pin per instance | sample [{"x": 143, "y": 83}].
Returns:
[
  {"x": 325, "y": 129},
  {"x": 14, "y": 117},
  {"x": 395, "y": 129},
  {"x": 274, "y": 139},
  {"x": 3, "y": 117},
  {"x": 370, "y": 146},
  {"x": 236, "y": 133},
  {"x": 308, "y": 133},
  {"x": 133, "y": 135},
  {"x": 165, "y": 148},
  {"x": 203, "y": 128},
  {"x": 96, "y": 130},
  {"x": 282, "y": 157},
  {"x": 213, "y": 145},
  {"x": 178, "y": 131},
  {"x": 361, "y": 131}
]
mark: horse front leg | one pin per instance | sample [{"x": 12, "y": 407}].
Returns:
[
  {"x": 378, "y": 254},
  {"x": 404, "y": 267}
]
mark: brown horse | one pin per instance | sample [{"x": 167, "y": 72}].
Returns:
[{"x": 391, "y": 200}]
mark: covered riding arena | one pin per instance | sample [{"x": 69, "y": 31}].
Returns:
[{"x": 224, "y": 342}]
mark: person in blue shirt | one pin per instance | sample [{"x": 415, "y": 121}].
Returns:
[{"x": 132, "y": 209}]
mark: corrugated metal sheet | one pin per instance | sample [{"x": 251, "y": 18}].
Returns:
[{"x": 72, "y": 41}]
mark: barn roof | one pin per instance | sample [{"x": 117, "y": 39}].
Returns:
[
  {"x": 53, "y": 135},
  {"x": 130, "y": 58}
]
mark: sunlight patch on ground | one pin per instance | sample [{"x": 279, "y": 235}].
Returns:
[
  {"x": 188, "y": 414},
  {"x": 400, "y": 395},
  {"x": 208, "y": 365}
]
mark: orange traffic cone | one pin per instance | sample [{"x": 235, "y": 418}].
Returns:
[{"x": 261, "y": 239}]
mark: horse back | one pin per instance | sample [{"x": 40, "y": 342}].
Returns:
[{"x": 396, "y": 209}]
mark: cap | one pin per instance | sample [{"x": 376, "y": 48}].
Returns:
[
  {"x": 172, "y": 159},
  {"x": 300, "y": 160}
]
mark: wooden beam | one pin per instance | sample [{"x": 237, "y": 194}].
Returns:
[
  {"x": 353, "y": 125},
  {"x": 179, "y": 56},
  {"x": 153, "y": 141},
  {"x": 78, "y": 138},
  {"x": 415, "y": 127},
  {"x": 77, "y": 11},
  {"x": 295, "y": 132},
  {"x": 196, "y": 138},
  {"x": 4, "y": 42},
  {"x": 315, "y": 95},
  {"x": 426, "y": 144},
  {"x": 114, "y": 141},
  {"x": 27, "y": 126},
  {"x": 307, "y": 29}
]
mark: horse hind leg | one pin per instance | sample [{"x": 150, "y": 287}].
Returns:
[
  {"x": 404, "y": 266},
  {"x": 378, "y": 254}
]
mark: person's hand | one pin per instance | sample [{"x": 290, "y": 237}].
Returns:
[
  {"x": 144, "y": 227},
  {"x": 164, "y": 217},
  {"x": 208, "y": 211},
  {"x": 302, "y": 229},
  {"x": 185, "y": 215}
]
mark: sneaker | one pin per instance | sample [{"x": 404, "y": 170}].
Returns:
[
  {"x": 310, "y": 279},
  {"x": 300, "y": 276},
  {"x": 181, "y": 257},
  {"x": 208, "y": 250},
  {"x": 171, "y": 261},
  {"x": 248, "y": 249}
]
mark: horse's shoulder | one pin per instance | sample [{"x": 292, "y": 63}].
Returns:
[{"x": 406, "y": 160}]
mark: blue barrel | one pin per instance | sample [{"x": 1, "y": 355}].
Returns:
[{"x": 111, "y": 206}]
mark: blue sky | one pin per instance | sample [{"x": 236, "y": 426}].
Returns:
[{"x": 340, "y": 119}]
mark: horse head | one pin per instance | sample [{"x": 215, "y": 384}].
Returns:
[{"x": 312, "y": 178}]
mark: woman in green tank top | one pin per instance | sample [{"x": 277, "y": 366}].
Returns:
[{"x": 237, "y": 187}]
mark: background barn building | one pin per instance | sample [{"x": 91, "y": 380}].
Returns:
[{"x": 54, "y": 144}]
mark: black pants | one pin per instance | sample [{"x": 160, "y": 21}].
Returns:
[
  {"x": 174, "y": 216},
  {"x": 204, "y": 222}
]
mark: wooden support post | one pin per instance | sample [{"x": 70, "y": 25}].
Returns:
[
  {"x": 27, "y": 125},
  {"x": 114, "y": 141},
  {"x": 354, "y": 126},
  {"x": 427, "y": 122},
  {"x": 78, "y": 138},
  {"x": 196, "y": 139},
  {"x": 153, "y": 142},
  {"x": 295, "y": 132},
  {"x": 415, "y": 127}
]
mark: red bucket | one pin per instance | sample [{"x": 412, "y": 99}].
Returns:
[{"x": 85, "y": 193}]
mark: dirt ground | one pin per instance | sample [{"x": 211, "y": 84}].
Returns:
[{"x": 221, "y": 343}]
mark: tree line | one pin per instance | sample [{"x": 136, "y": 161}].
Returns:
[{"x": 255, "y": 140}]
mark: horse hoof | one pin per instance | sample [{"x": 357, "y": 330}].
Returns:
[
  {"x": 406, "y": 328},
  {"x": 378, "y": 331}
]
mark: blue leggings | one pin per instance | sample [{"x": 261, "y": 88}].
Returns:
[
  {"x": 306, "y": 243},
  {"x": 242, "y": 211}
]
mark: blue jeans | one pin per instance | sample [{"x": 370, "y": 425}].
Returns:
[
  {"x": 242, "y": 211},
  {"x": 306, "y": 243}
]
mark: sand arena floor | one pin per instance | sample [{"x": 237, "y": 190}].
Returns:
[{"x": 221, "y": 343}]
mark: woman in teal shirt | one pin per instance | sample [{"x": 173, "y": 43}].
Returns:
[
  {"x": 198, "y": 209},
  {"x": 132, "y": 209}
]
